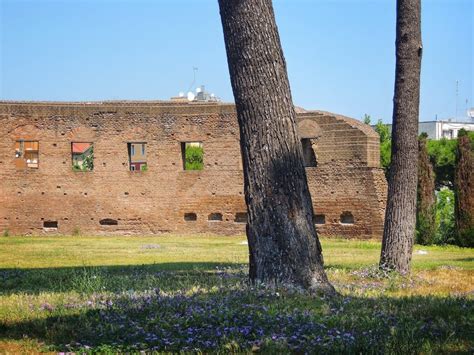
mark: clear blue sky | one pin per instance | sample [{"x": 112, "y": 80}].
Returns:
[{"x": 340, "y": 53}]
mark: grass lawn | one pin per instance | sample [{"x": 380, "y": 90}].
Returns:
[{"x": 190, "y": 293}]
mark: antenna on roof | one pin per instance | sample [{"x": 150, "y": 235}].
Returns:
[{"x": 195, "y": 69}]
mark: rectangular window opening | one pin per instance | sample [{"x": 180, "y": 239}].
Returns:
[
  {"x": 240, "y": 217},
  {"x": 319, "y": 219},
  {"x": 27, "y": 154},
  {"x": 215, "y": 217},
  {"x": 346, "y": 218},
  {"x": 192, "y": 155},
  {"x": 190, "y": 216},
  {"x": 309, "y": 157},
  {"x": 137, "y": 156},
  {"x": 82, "y": 156},
  {"x": 108, "y": 222},
  {"x": 50, "y": 225}
]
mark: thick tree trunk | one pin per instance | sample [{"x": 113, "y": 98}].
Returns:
[
  {"x": 464, "y": 191},
  {"x": 426, "y": 199},
  {"x": 400, "y": 214},
  {"x": 283, "y": 244}
]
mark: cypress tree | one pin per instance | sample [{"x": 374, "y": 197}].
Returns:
[
  {"x": 464, "y": 190},
  {"x": 426, "y": 198}
]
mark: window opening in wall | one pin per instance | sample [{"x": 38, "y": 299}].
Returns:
[
  {"x": 191, "y": 216},
  {"x": 108, "y": 222},
  {"x": 82, "y": 156},
  {"x": 319, "y": 219},
  {"x": 347, "y": 218},
  {"x": 193, "y": 155},
  {"x": 50, "y": 225},
  {"x": 309, "y": 157},
  {"x": 137, "y": 156},
  {"x": 240, "y": 217},
  {"x": 215, "y": 217},
  {"x": 27, "y": 154}
]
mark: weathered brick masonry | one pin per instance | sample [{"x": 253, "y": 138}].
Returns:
[{"x": 347, "y": 185}]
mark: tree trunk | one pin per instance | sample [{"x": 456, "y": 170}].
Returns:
[
  {"x": 426, "y": 199},
  {"x": 464, "y": 191},
  {"x": 400, "y": 214},
  {"x": 283, "y": 244}
]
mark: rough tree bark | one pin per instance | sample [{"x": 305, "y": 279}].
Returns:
[
  {"x": 464, "y": 191},
  {"x": 283, "y": 244},
  {"x": 400, "y": 214},
  {"x": 426, "y": 198}
]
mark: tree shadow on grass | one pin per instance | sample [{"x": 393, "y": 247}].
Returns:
[
  {"x": 116, "y": 278},
  {"x": 239, "y": 320}
]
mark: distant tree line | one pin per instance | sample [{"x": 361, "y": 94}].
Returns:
[{"x": 445, "y": 186}]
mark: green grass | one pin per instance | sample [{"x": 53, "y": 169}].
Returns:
[{"x": 172, "y": 293}]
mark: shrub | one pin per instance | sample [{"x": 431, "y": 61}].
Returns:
[{"x": 194, "y": 158}]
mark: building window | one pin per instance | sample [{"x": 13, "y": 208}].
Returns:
[
  {"x": 190, "y": 217},
  {"x": 193, "y": 155},
  {"x": 27, "y": 154},
  {"x": 137, "y": 156},
  {"x": 448, "y": 133},
  {"x": 215, "y": 217},
  {"x": 50, "y": 225},
  {"x": 347, "y": 218},
  {"x": 319, "y": 219},
  {"x": 309, "y": 158},
  {"x": 82, "y": 156},
  {"x": 108, "y": 222},
  {"x": 240, "y": 217}
]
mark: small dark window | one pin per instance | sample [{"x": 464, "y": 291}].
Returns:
[
  {"x": 137, "y": 156},
  {"x": 215, "y": 217},
  {"x": 190, "y": 216},
  {"x": 82, "y": 156},
  {"x": 50, "y": 224},
  {"x": 347, "y": 218},
  {"x": 240, "y": 217},
  {"x": 192, "y": 154},
  {"x": 319, "y": 219},
  {"x": 108, "y": 222},
  {"x": 309, "y": 157}
]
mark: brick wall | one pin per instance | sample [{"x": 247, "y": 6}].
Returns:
[{"x": 346, "y": 179}]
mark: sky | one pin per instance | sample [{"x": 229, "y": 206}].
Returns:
[{"x": 340, "y": 53}]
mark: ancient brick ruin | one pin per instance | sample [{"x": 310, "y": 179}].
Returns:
[{"x": 48, "y": 188}]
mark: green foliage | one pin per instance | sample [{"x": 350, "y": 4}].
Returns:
[
  {"x": 144, "y": 167},
  {"x": 385, "y": 145},
  {"x": 443, "y": 156},
  {"x": 6, "y": 233},
  {"x": 446, "y": 231},
  {"x": 194, "y": 159},
  {"x": 426, "y": 201},
  {"x": 76, "y": 231},
  {"x": 464, "y": 189},
  {"x": 88, "y": 162},
  {"x": 366, "y": 119},
  {"x": 425, "y": 228}
]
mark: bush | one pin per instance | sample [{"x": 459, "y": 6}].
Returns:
[
  {"x": 194, "y": 158},
  {"x": 445, "y": 222}
]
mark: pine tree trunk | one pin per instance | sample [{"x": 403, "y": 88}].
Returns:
[
  {"x": 426, "y": 198},
  {"x": 283, "y": 244},
  {"x": 464, "y": 191},
  {"x": 400, "y": 214}
]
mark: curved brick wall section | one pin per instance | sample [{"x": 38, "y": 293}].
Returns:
[{"x": 113, "y": 200}]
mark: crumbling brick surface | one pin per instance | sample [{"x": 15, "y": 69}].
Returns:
[{"x": 111, "y": 199}]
